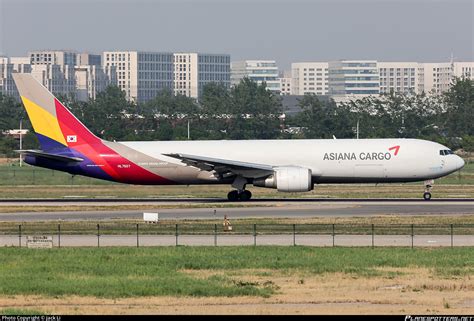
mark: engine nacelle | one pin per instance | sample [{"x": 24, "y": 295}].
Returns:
[{"x": 288, "y": 179}]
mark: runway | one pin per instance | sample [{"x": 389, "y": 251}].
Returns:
[{"x": 262, "y": 209}]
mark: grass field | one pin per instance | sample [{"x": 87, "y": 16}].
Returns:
[
  {"x": 237, "y": 280},
  {"x": 15, "y": 312},
  {"x": 124, "y": 272}
]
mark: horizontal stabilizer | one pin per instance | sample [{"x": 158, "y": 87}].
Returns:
[{"x": 56, "y": 157}]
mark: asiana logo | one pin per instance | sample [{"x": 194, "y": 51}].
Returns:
[{"x": 363, "y": 155}]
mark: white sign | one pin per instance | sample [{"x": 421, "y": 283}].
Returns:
[
  {"x": 150, "y": 217},
  {"x": 39, "y": 242}
]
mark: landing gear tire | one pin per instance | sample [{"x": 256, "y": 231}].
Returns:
[
  {"x": 245, "y": 196},
  {"x": 428, "y": 187},
  {"x": 235, "y": 196}
]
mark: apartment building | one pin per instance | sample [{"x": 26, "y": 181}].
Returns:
[
  {"x": 192, "y": 71},
  {"x": 257, "y": 70},
  {"x": 141, "y": 75},
  {"x": 464, "y": 69},
  {"x": 353, "y": 79},
  {"x": 9, "y": 66},
  {"x": 415, "y": 77},
  {"x": 92, "y": 79},
  {"x": 6, "y": 81},
  {"x": 438, "y": 77},
  {"x": 285, "y": 85},
  {"x": 309, "y": 78},
  {"x": 83, "y": 59},
  {"x": 62, "y": 72},
  {"x": 400, "y": 77},
  {"x": 53, "y": 57},
  {"x": 356, "y": 79}
]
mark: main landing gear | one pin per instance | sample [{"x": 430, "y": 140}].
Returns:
[
  {"x": 240, "y": 194},
  {"x": 236, "y": 195},
  {"x": 428, "y": 188}
]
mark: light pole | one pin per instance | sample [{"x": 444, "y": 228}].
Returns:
[
  {"x": 188, "y": 130},
  {"x": 21, "y": 142},
  {"x": 357, "y": 129}
]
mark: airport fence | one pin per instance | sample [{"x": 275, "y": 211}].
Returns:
[{"x": 162, "y": 234}]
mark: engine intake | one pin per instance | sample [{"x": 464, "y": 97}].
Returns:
[{"x": 288, "y": 179}]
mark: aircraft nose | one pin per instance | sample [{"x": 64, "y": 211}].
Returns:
[{"x": 459, "y": 162}]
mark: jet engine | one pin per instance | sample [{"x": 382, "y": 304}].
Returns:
[{"x": 287, "y": 179}]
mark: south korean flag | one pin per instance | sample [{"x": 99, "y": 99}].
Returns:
[{"x": 71, "y": 139}]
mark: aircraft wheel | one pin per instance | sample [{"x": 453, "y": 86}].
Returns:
[
  {"x": 233, "y": 196},
  {"x": 427, "y": 196},
  {"x": 245, "y": 195}
]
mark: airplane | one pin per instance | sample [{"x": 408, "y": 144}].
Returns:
[{"x": 286, "y": 165}]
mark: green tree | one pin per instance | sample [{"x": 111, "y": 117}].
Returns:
[
  {"x": 11, "y": 113},
  {"x": 254, "y": 112},
  {"x": 396, "y": 115},
  {"x": 169, "y": 115},
  {"x": 459, "y": 101},
  {"x": 216, "y": 111},
  {"x": 324, "y": 119}
]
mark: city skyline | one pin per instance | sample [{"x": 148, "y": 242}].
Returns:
[
  {"x": 296, "y": 31},
  {"x": 142, "y": 75}
]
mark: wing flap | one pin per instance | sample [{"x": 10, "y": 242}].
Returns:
[{"x": 224, "y": 167}]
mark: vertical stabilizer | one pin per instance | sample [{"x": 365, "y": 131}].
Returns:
[{"x": 55, "y": 126}]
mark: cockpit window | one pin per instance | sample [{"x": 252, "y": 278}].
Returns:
[{"x": 444, "y": 152}]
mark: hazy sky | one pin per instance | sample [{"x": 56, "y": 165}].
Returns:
[{"x": 287, "y": 31}]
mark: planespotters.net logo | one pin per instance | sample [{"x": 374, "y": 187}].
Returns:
[{"x": 438, "y": 318}]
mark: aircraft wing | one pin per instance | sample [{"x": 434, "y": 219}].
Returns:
[
  {"x": 225, "y": 168},
  {"x": 56, "y": 157}
]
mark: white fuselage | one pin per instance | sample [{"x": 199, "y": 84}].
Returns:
[{"x": 331, "y": 161}]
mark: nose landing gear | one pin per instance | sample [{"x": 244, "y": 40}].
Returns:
[
  {"x": 427, "y": 196},
  {"x": 428, "y": 188}
]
